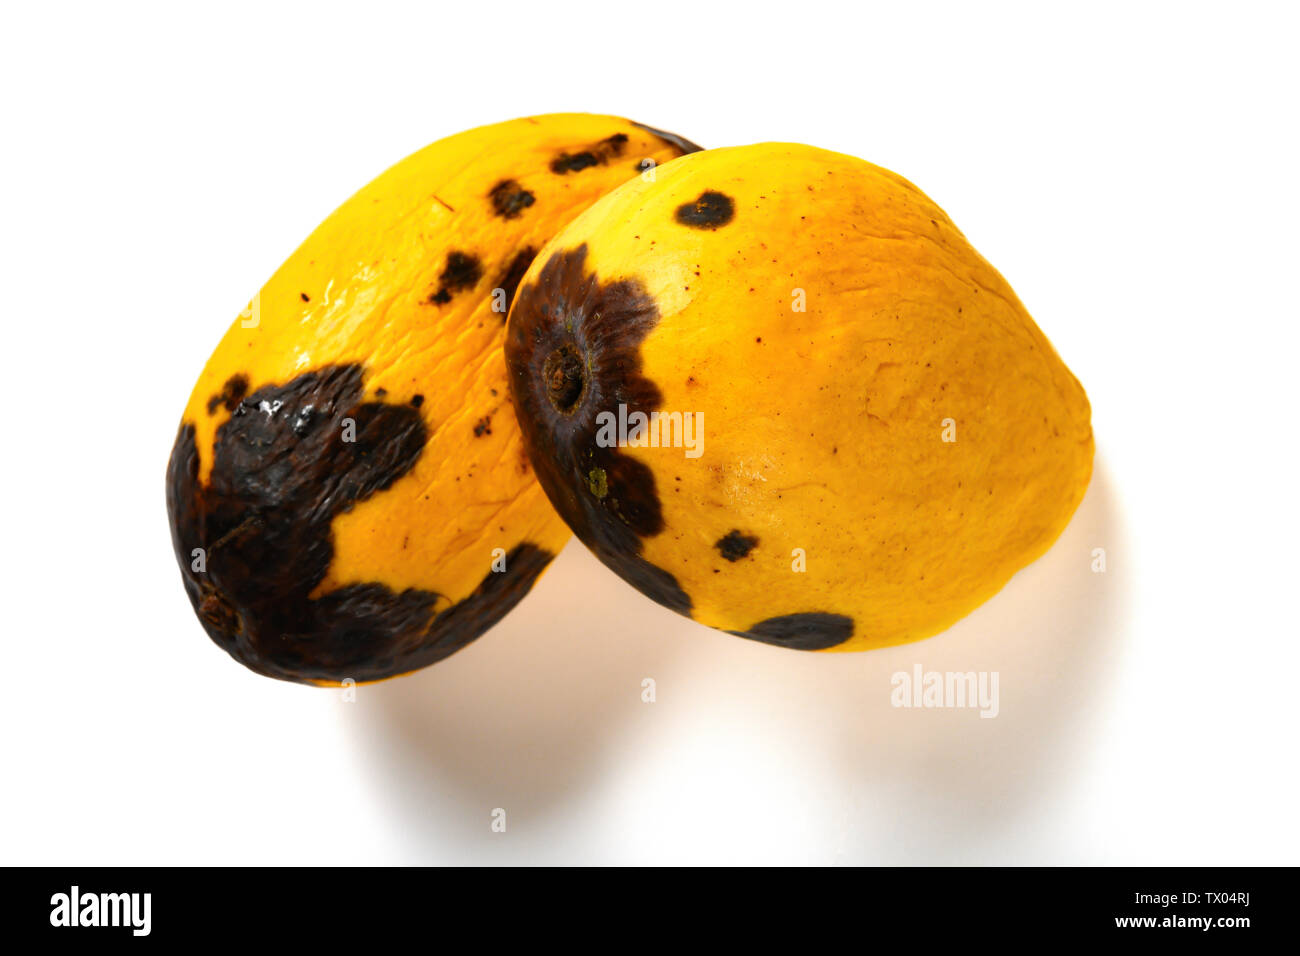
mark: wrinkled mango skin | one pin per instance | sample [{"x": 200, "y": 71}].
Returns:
[
  {"x": 887, "y": 437},
  {"x": 348, "y": 482}
]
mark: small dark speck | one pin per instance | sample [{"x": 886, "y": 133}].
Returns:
[
  {"x": 304, "y": 296},
  {"x": 417, "y": 401}
]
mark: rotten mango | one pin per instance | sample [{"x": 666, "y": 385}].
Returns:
[
  {"x": 881, "y": 436},
  {"x": 348, "y": 492}
]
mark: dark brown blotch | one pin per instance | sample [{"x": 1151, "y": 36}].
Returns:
[
  {"x": 509, "y": 199},
  {"x": 231, "y": 394},
  {"x": 598, "y": 154},
  {"x": 483, "y": 426},
  {"x": 710, "y": 210},
  {"x": 733, "y": 545},
  {"x": 573, "y": 349},
  {"x": 810, "y": 631},
  {"x": 573, "y": 162},
  {"x": 282, "y": 471},
  {"x": 462, "y": 271},
  {"x": 514, "y": 274}
]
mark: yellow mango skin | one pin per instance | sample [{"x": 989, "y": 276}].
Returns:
[
  {"x": 375, "y": 290},
  {"x": 823, "y": 429}
]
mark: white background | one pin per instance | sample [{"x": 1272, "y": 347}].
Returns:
[{"x": 1131, "y": 168}]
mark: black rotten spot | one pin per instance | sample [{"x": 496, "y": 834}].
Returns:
[
  {"x": 509, "y": 199},
  {"x": 461, "y": 272},
  {"x": 710, "y": 211},
  {"x": 232, "y": 393},
  {"x": 573, "y": 351},
  {"x": 733, "y": 546},
  {"x": 811, "y": 631},
  {"x": 599, "y": 154},
  {"x": 283, "y": 469},
  {"x": 514, "y": 274}
]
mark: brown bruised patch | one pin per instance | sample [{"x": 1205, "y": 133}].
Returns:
[
  {"x": 509, "y": 199},
  {"x": 733, "y": 546},
  {"x": 462, "y": 271},
  {"x": 514, "y": 274},
  {"x": 812, "y": 631},
  {"x": 710, "y": 210},
  {"x": 598, "y": 154},
  {"x": 232, "y": 393},
  {"x": 573, "y": 350},
  {"x": 282, "y": 470}
]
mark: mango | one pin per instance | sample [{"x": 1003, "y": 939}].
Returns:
[
  {"x": 778, "y": 391},
  {"x": 348, "y": 493}
]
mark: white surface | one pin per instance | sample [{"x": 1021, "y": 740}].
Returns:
[{"x": 1132, "y": 169}]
